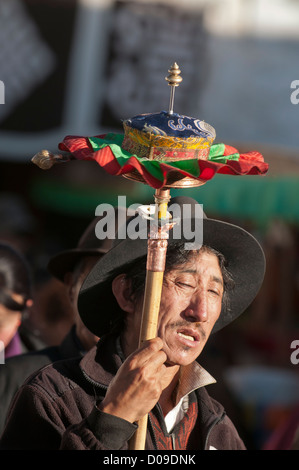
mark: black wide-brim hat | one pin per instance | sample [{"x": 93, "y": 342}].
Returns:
[{"x": 244, "y": 257}]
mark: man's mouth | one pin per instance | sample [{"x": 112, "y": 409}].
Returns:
[
  {"x": 192, "y": 336},
  {"x": 186, "y": 336}
]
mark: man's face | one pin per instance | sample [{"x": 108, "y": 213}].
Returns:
[{"x": 190, "y": 306}]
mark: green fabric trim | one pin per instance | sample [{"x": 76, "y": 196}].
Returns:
[
  {"x": 216, "y": 150},
  {"x": 217, "y": 154},
  {"x": 110, "y": 139},
  {"x": 224, "y": 159},
  {"x": 114, "y": 141},
  {"x": 190, "y": 166}
]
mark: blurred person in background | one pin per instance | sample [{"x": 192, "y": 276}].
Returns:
[
  {"x": 15, "y": 300},
  {"x": 70, "y": 267}
]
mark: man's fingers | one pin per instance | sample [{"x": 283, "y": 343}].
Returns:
[
  {"x": 138, "y": 383},
  {"x": 153, "y": 344},
  {"x": 148, "y": 351}
]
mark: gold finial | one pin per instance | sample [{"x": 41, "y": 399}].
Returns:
[
  {"x": 174, "y": 79},
  {"x": 45, "y": 159}
]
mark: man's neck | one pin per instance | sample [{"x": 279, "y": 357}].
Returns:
[{"x": 167, "y": 399}]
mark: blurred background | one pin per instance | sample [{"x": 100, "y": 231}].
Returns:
[{"x": 81, "y": 66}]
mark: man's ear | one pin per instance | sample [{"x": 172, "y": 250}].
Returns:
[{"x": 121, "y": 288}]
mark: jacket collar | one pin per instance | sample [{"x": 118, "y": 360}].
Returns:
[
  {"x": 101, "y": 363},
  {"x": 71, "y": 346}
]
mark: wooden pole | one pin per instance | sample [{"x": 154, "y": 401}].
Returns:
[{"x": 156, "y": 257}]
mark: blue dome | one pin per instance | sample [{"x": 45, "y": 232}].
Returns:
[{"x": 174, "y": 125}]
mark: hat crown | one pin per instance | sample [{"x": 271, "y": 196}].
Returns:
[{"x": 89, "y": 240}]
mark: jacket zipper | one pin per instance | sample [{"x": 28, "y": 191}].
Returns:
[
  {"x": 152, "y": 433},
  {"x": 154, "y": 436},
  {"x": 173, "y": 441},
  {"x": 94, "y": 383},
  {"x": 172, "y": 435}
]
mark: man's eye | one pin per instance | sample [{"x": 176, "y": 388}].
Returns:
[
  {"x": 214, "y": 292},
  {"x": 185, "y": 284}
]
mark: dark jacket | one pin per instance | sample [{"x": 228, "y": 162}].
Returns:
[
  {"x": 18, "y": 368},
  {"x": 56, "y": 410}
]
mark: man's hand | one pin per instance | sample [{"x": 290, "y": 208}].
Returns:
[{"x": 138, "y": 384}]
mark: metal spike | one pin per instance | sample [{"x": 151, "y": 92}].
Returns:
[{"x": 174, "y": 79}]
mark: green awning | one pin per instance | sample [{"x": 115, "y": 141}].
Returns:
[{"x": 257, "y": 198}]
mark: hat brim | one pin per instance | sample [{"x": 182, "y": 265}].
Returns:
[
  {"x": 65, "y": 262},
  {"x": 245, "y": 262}
]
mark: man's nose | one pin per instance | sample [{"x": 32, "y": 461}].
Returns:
[{"x": 197, "y": 310}]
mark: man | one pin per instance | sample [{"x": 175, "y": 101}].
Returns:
[
  {"x": 70, "y": 267},
  {"x": 96, "y": 402}
]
